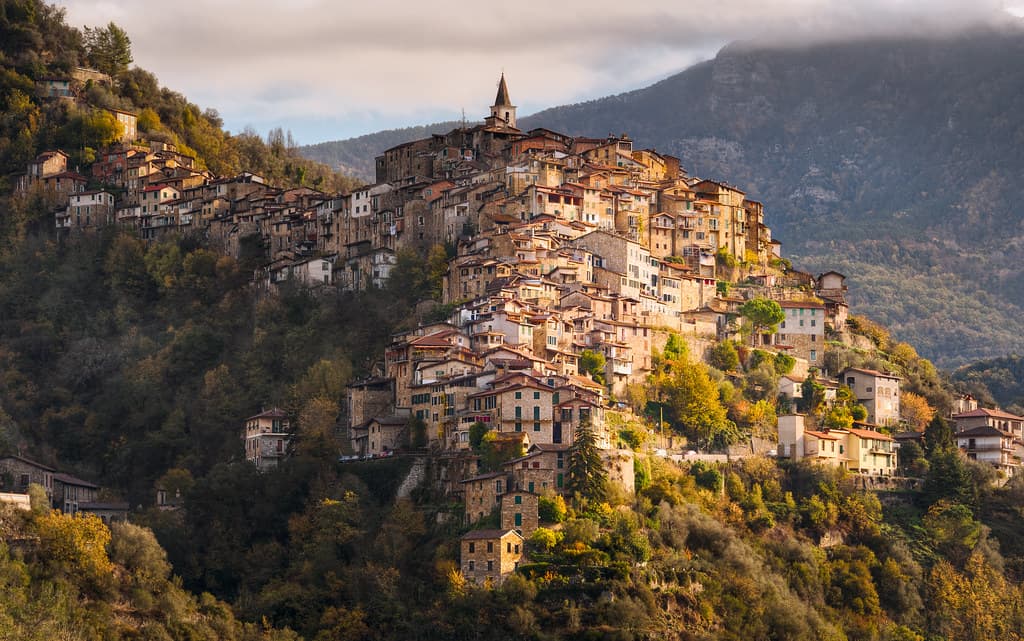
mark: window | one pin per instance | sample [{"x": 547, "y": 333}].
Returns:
[
  {"x": 519, "y": 426},
  {"x": 490, "y": 547},
  {"x": 472, "y": 549},
  {"x": 814, "y": 355},
  {"x": 519, "y": 500},
  {"x": 490, "y": 564},
  {"x": 519, "y": 395},
  {"x": 472, "y": 565},
  {"x": 536, "y": 396},
  {"x": 519, "y": 412},
  {"x": 530, "y": 486},
  {"x": 536, "y": 427}
]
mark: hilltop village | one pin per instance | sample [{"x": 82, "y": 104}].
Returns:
[{"x": 570, "y": 265}]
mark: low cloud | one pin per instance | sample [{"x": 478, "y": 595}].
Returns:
[{"x": 327, "y": 69}]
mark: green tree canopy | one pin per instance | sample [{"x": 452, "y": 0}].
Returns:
[
  {"x": 762, "y": 316},
  {"x": 588, "y": 479},
  {"x": 108, "y": 49},
  {"x": 592, "y": 363}
]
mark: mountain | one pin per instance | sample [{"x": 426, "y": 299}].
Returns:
[
  {"x": 894, "y": 161},
  {"x": 355, "y": 155}
]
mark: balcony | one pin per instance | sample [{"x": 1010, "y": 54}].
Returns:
[
  {"x": 987, "y": 448},
  {"x": 622, "y": 367}
]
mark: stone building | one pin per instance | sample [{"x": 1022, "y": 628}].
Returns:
[
  {"x": 520, "y": 511},
  {"x": 489, "y": 556}
]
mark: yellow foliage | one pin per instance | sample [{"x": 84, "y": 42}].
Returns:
[
  {"x": 916, "y": 411},
  {"x": 78, "y": 542}
]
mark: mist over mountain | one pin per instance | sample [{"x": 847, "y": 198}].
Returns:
[{"x": 894, "y": 161}]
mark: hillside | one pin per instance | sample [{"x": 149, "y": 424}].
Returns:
[
  {"x": 43, "y": 107},
  {"x": 893, "y": 161},
  {"x": 134, "y": 362}
]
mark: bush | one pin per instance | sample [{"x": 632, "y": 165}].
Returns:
[{"x": 552, "y": 509}]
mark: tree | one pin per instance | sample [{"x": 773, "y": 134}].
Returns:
[
  {"x": 38, "y": 499},
  {"x": 592, "y": 363},
  {"x": 762, "y": 316},
  {"x": 76, "y": 544},
  {"x": 948, "y": 478},
  {"x": 724, "y": 356},
  {"x": 108, "y": 49},
  {"x": 675, "y": 349},
  {"x": 437, "y": 267},
  {"x": 692, "y": 399},
  {"x": 476, "y": 434},
  {"x": 916, "y": 411},
  {"x": 587, "y": 477},
  {"x": 938, "y": 435}
]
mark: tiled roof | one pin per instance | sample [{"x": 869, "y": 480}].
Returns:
[{"x": 992, "y": 413}]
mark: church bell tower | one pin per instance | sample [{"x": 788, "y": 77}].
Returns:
[{"x": 503, "y": 112}]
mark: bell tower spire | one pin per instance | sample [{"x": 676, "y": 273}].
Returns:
[{"x": 503, "y": 111}]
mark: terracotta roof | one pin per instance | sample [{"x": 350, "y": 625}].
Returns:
[
  {"x": 878, "y": 436},
  {"x": 29, "y": 462},
  {"x": 483, "y": 477},
  {"x": 981, "y": 430},
  {"x": 993, "y": 413},
  {"x": 550, "y": 447},
  {"x": 389, "y": 420},
  {"x": 871, "y": 372},
  {"x": 798, "y": 304},
  {"x": 67, "y": 479},
  {"x": 487, "y": 534},
  {"x": 821, "y": 435},
  {"x": 275, "y": 412}
]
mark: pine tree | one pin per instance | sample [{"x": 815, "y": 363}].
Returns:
[
  {"x": 109, "y": 48},
  {"x": 587, "y": 476}
]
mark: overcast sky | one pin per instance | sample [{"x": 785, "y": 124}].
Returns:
[{"x": 331, "y": 69}]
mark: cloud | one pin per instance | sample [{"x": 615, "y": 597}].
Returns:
[{"x": 310, "y": 65}]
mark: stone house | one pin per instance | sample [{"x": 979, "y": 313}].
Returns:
[
  {"x": 1009, "y": 424},
  {"x": 859, "y": 449},
  {"x": 267, "y": 437},
  {"x": 869, "y": 451},
  {"x": 803, "y": 330},
  {"x": 526, "y": 406},
  {"x": 129, "y": 124},
  {"x": 87, "y": 209},
  {"x": 17, "y": 473},
  {"x": 877, "y": 391},
  {"x": 544, "y": 467},
  {"x": 380, "y": 435},
  {"x": 490, "y": 556},
  {"x": 481, "y": 494},
  {"x": 520, "y": 511},
  {"x": 70, "y": 493},
  {"x": 987, "y": 444}
]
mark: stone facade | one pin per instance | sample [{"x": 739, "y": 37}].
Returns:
[
  {"x": 489, "y": 556},
  {"x": 520, "y": 511}
]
